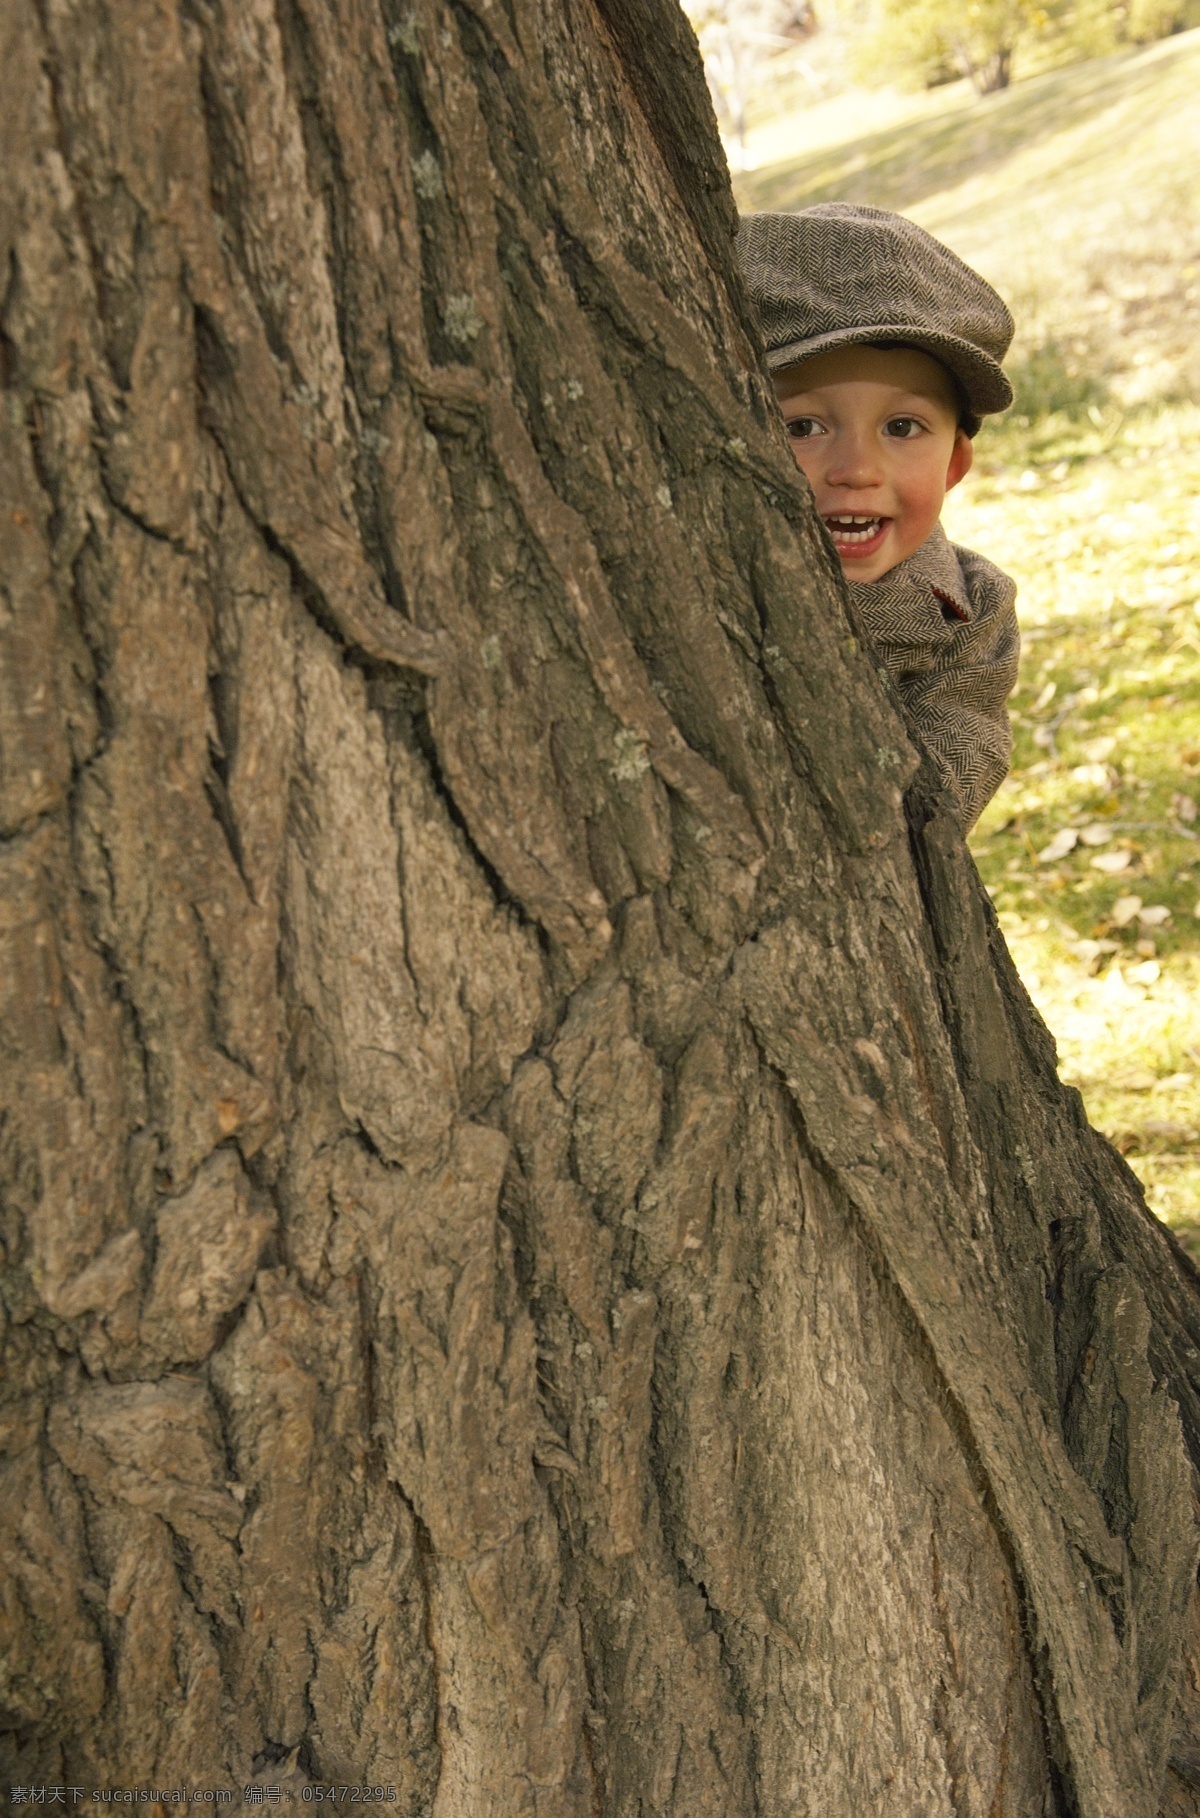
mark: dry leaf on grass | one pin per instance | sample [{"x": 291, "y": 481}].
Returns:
[
  {"x": 1112, "y": 862},
  {"x": 1064, "y": 841}
]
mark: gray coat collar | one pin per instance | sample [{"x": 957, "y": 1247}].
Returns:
[{"x": 933, "y": 568}]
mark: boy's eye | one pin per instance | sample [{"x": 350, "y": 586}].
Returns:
[
  {"x": 800, "y": 428},
  {"x": 903, "y": 428}
]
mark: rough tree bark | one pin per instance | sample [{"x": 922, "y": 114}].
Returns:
[{"x": 546, "y": 1262}]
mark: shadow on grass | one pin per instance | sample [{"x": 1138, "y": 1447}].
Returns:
[{"x": 901, "y": 165}]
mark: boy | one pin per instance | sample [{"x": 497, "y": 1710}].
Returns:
[{"x": 885, "y": 350}]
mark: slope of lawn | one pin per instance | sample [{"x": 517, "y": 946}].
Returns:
[{"x": 1076, "y": 194}]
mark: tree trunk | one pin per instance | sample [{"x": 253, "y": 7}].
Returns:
[
  {"x": 995, "y": 71},
  {"x": 548, "y": 1269}
]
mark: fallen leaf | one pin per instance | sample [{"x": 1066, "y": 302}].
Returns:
[
  {"x": 1116, "y": 990},
  {"x": 1183, "y": 807},
  {"x": 1064, "y": 841},
  {"x": 1096, "y": 750},
  {"x": 1146, "y": 973},
  {"x": 1112, "y": 862},
  {"x": 1154, "y": 916},
  {"x": 1095, "y": 834}
]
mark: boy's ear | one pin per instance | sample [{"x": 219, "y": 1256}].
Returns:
[{"x": 961, "y": 457}]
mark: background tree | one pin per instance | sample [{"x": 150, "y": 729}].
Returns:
[
  {"x": 737, "y": 39},
  {"x": 1142, "y": 21},
  {"x": 937, "y": 40},
  {"x": 546, "y": 1262},
  {"x": 927, "y": 42}
]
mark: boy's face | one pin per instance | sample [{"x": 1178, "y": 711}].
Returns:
[{"x": 876, "y": 431}]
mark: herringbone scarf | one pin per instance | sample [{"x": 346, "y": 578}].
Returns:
[{"x": 944, "y": 623}]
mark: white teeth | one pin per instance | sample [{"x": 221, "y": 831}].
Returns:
[{"x": 849, "y": 527}]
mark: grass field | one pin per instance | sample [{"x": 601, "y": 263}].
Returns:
[{"x": 1076, "y": 194}]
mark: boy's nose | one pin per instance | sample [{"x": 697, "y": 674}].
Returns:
[{"x": 853, "y": 462}]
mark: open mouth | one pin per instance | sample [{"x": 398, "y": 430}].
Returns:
[{"x": 853, "y": 532}]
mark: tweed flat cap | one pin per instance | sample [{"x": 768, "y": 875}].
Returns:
[{"x": 841, "y": 274}]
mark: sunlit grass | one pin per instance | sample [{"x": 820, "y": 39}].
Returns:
[
  {"x": 1075, "y": 194},
  {"x": 1100, "y": 523}
]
